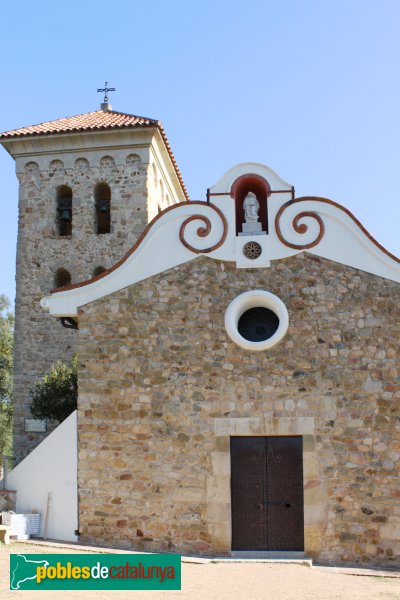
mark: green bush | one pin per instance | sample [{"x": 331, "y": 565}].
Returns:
[
  {"x": 5, "y": 428},
  {"x": 55, "y": 396},
  {"x": 6, "y": 349},
  {"x": 6, "y": 367}
]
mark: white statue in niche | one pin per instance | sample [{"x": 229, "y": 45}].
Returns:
[{"x": 251, "y": 207}]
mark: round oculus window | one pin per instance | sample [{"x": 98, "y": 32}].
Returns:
[
  {"x": 258, "y": 324},
  {"x": 256, "y": 320}
]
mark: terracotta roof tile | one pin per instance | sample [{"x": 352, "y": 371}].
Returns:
[
  {"x": 99, "y": 119},
  {"x": 94, "y": 121}
]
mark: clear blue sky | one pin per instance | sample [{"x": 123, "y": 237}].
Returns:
[{"x": 309, "y": 87}]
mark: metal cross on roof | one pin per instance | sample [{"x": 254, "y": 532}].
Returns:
[{"x": 105, "y": 89}]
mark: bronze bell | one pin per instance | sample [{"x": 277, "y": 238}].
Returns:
[{"x": 65, "y": 215}]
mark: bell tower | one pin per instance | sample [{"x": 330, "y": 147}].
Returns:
[{"x": 88, "y": 186}]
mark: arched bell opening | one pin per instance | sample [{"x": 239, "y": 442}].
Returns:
[
  {"x": 103, "y": 208},
  {"x": 62, "y": 278},
  {"x": 64, "y": 211}
]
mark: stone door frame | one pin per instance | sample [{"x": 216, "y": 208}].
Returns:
[{"x": 218, "y": 487}]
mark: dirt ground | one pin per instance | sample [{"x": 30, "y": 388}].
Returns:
[{"x": 227, "y": 581}]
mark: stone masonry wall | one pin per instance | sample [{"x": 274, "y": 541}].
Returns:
[
  {"x": 40, "y": 340},
  {"x": 158, "y": 372}
]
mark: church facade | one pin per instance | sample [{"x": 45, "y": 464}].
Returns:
[{"x": 238, "y": 378}]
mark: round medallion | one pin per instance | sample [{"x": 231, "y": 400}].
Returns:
[{"x": 252, "y": 250}]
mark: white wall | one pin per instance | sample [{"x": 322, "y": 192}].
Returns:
[{"x": 51, "y": 467}]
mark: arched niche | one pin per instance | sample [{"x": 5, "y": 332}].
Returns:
[
  {"x": 133, "y": 159},
  {"x": 56, "y": 165},
  {"x": 107, "y": 162},
  {"x": 81, "y": 164},
  {"x": 32, "y": 172},
  {"x": 239, "y": 190},
  {"x": 161, "y": 191},
  {"x": 31, "y": 167}
]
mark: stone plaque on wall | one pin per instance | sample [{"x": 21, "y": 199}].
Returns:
[{"x": 36, "y": 425}]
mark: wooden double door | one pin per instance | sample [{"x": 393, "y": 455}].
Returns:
[{"x": 267, "y": 493}]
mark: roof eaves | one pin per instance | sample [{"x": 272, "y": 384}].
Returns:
[
  {"x": 8, "y": 137},
  {"x": 62, "y": 124},
  {"x": 173, "y": 159}
]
